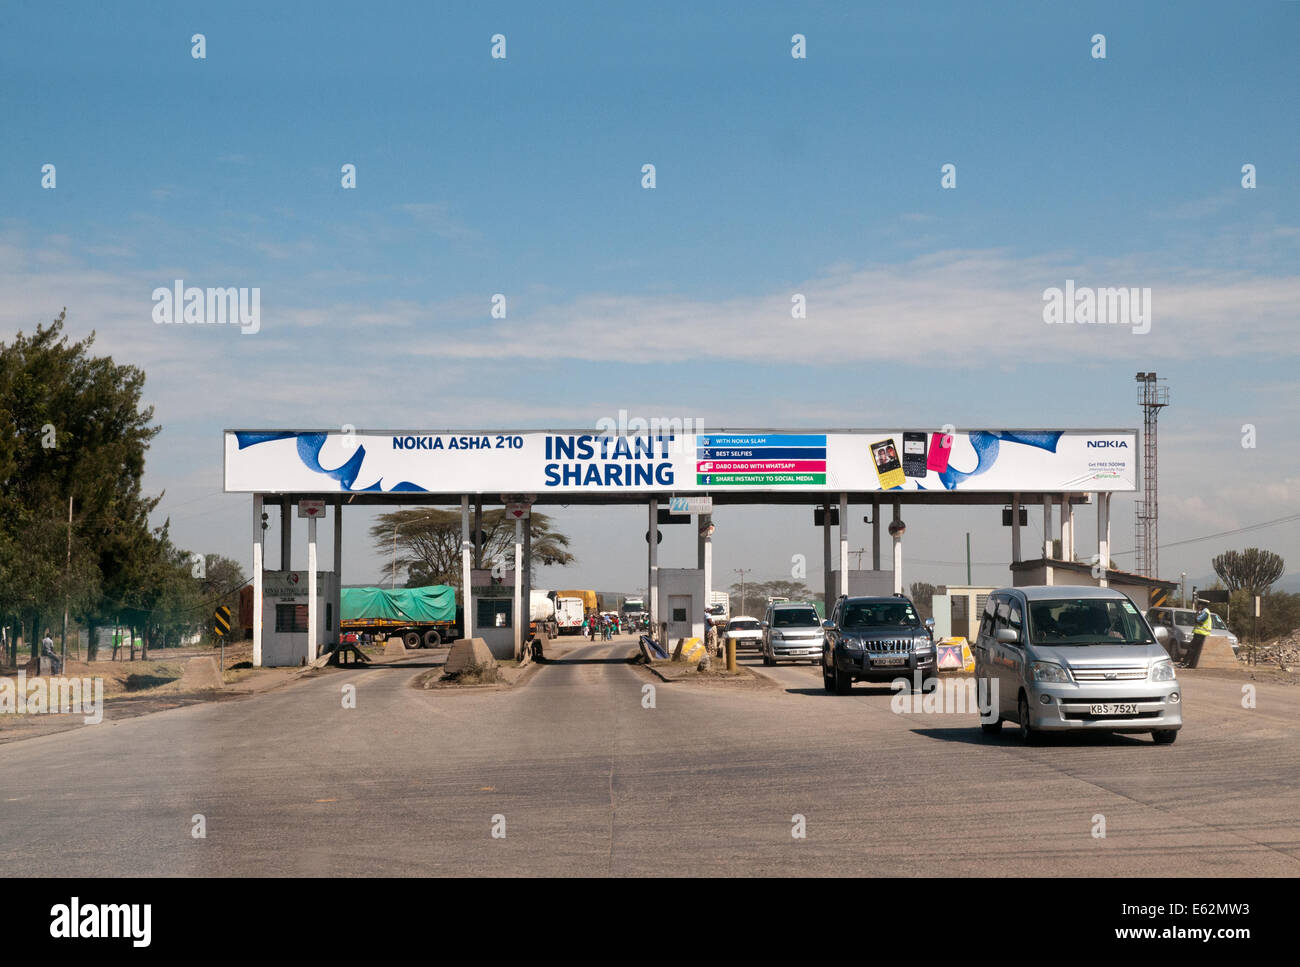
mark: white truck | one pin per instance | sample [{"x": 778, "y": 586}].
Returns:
[
  {"x": 719, "y": 609},
  {"x": 542, "y": 615},
  {"x": 568, "y": 615}
]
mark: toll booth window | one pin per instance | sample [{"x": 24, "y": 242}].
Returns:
[
  {"x": 291, "y": 619},
  {"x": 494, "y": 613}
]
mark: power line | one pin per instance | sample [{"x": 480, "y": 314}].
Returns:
[{"x": 1189, "y": 540}]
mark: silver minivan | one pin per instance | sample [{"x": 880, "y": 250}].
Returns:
[
  {"x": 792, "y": 632},
  {"x": 1063, "y": 658}
]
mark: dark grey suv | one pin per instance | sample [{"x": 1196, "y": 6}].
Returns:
[{"x": 875, "y": 640}]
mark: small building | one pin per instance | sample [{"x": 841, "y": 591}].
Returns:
[{"x": 1139, "y": 587}]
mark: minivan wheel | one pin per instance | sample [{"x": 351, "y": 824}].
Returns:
[
  {"x": 1165, "y": 736},
  {"x": 1028, "y": 735},
  {"x": 767, "y": 660},
  {"x": 828, "y": 680}
]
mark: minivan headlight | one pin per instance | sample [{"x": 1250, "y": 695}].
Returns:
[
  {"x": 1163, "y": 671},
  {"x": 922, "y": 643},
  {"x": 1046, "y": 671},
  {"x": 853, "y": 644}
]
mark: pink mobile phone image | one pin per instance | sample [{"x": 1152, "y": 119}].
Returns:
[{"x": 940, "y": 448}]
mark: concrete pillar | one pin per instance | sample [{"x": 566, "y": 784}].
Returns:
[
  {"x": 706, "y": 557},
  {"x": 313, "y": 609},
  {"x": 1071, "y": 530},
  {"x": 898, "y": 551},
  {"x": 844, "y": 543},
  {"x": 467, "y": 552},
  {"x": 286, "y": 533},
  {"x": 1103, "y": 539},
  {"x": 259, "y": 547},
  {"x": 1047, "y": 527},
  {"x": 875, "y": 535},
  {"x": 1015, "y": 529},
  {"x": 653, "y": 573},
  {"x": 1066, "y": 550},
  {"x": 519, "y": 617},
  {"x": 526, "y": 594},
  {"x": 338, "y": 569},
  {"x": 828, "y": 590},
  {"x": 478, "y": 531}
]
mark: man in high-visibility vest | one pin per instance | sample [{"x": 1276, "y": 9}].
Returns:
[{"x": 1204, "y": 628}]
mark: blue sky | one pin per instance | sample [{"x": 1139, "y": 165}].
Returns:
[{"x": 774, "y": 176}]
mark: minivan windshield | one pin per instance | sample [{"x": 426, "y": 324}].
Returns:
[
  {"x": 794, "y": 617},
  {"x": 1086, "y": 621},
  {"x": 878, "y": 614},
  {"x": 745, "y": 625}
]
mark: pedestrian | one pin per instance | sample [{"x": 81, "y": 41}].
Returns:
[
  {"x": 1204, "y": 628},
  {"x": 47, "y": 651}
]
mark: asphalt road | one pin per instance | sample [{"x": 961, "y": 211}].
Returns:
[{"x": 584, "y": 780}]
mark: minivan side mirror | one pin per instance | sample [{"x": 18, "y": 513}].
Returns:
[
  {"x": 763, "y": 625},
  {"x": 828, "y": 625},
  {"x": 1162, "y": 634},
  {"x": 1007, "y": 636},
  {"x": 929, "y": 625}
]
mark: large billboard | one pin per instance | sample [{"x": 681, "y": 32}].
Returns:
[{"x": 575, "y": 461}]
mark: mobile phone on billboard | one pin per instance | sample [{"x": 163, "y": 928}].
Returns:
[
  {"x": 889, "y": 468},
  {"x": 940, "y": 448},
  {"x": 914, "y": 455}
]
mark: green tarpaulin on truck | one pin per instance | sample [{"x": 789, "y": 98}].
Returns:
[
  {"x": 417, "y": 605},
  {"x": 436, "y": 602}
]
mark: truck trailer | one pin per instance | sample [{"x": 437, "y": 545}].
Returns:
[{"x": 422, "y": 617}]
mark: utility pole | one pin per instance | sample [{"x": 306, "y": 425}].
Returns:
[
  {"x": 67, "y": 568},
  {"x": 860, "y": 551},
  {"x": 742, "y": 571}
]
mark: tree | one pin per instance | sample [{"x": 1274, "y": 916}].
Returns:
[
  {"x": 921, "y": 593},
  {"x": 1252, "y": 569},
  {"x": 428, "y": 543},
  {"x": 756, "y": 594},
  {"x": 73, "y": 428}
]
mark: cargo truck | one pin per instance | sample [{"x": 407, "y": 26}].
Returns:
[
  {"x": 568, "y": 614},
  {"x": 422, "y": 617},
  {"x": 541, "y": 618},
  {"x": 590, "y": 601}
]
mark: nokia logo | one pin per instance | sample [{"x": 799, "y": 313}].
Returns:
[{"x": 1108, "y": 443}]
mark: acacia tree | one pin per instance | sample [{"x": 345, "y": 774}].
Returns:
[
  {"x": 1252, "y": 569},
  {"x": 426, "y": 544}
]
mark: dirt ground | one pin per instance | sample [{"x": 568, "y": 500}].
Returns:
[{"x": 139, "y": 687}]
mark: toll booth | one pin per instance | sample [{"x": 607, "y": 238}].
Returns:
[
  {"x": 681, "y": 603},
  {"x": 285, "y": 615},
  {"x": 866, "y": 583}
]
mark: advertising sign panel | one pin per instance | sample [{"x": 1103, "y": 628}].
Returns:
[{"x": 547, "y": 461}]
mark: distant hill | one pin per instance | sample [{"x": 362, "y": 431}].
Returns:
[{"x": 1289, "y": 583}]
